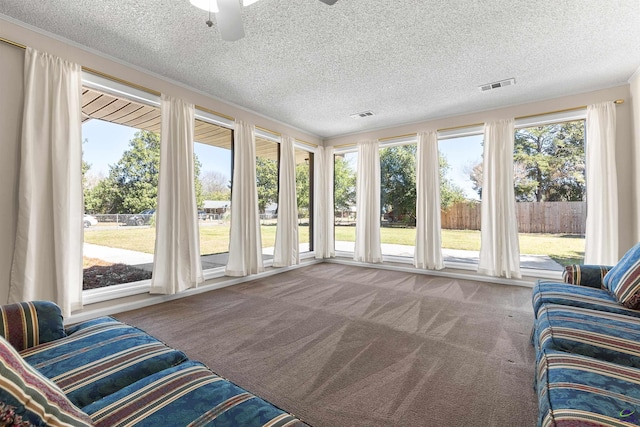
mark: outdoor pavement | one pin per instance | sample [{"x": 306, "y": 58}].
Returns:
[
  {"x": 145, "y": 261},
  {"x": 537, "y": 262}
]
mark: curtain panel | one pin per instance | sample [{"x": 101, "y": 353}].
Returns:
[
  {"x": 428, "y": 252},
  {"x": 287, "y": 250},
  {"x": 245, "y": 241},
  {"x": 499, "y": 249},
  {"x": 177, "y": 264},
  {"x": 47, "y": 260},
  {"x": 324, "y": 245},
  {"x": 367, "y": 246},
  {"x": 601, "y": 235}
]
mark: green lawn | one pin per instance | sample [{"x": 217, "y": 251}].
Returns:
[
  {"x": 213, "y": 239},
  {"x": 564, "y": 249}
]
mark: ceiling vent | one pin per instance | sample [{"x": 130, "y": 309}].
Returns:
[
  {"x": 496, "y": 85},
  {"x": 362, "y": 115}
]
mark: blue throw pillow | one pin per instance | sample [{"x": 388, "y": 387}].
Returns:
[
  {"x": 27, "y": 324},
  {"x": 29, "y": 399},
  {"x": 623, "y": 280}
]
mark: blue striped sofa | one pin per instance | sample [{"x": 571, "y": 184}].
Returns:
[
  {"x": 112, "y": 374},
  {"x": 587, "y": 350}
]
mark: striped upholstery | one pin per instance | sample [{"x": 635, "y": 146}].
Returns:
[
  {"x": 186, "y": 395},
  {"x": 546, "y": 292},
  {"x": 574, "y": 390},
  {"x": 605, "y": 336},
  {"x": 624, "y": 279},
  {"x": 585, "y": 275},
  {"x": 28, "y": 324},
  {"x": 100, "y": 358},
  {"x": 27, "y": 398}
]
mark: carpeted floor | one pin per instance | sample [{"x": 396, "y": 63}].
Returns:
[{"x": 341, "y": 345}]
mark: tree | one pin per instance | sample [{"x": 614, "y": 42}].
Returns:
[
  {"x": 450, "y": 193},
  {"x": 215, "y": 186},
  {"x": 344, "y": 185},
  {"x": 552, "y": 162},
  {"x": 302, "y": 188},
  {"x": 267, "y": 182},
  {"x": 549, "y": 163},
  {"x": 132, "y": 183},
  {"x": 398, "y": 182}
]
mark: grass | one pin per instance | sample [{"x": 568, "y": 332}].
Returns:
[
  {"x": 564, "y": 249},
  {"x": 214, "y": 239}
]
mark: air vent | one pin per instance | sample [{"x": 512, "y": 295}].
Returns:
[
  {"x": 496, "y": 85},
  {"x": 362, "y": 115}
]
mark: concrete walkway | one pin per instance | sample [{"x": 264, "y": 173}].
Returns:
[
  {"x": 115, "y": 255},
  {"x": 537, "y": 262},
  {"x": 145, "y": 261}
]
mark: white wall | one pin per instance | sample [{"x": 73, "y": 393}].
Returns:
[
  {"x": 626, "y": 159},
  {"x": 11, "y": 70},
  {"x": 635, "y": 124}
]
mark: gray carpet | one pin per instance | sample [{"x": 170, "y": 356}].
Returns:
[{"x": 350, "y": 346}]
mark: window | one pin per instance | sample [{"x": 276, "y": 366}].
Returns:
[
  {"x": 344, "y": 188},
  {"x": 304, "y": 197},
  {"x": 460, "y": 195},
  {"x": 121, "y": 158},
  {"x": 549, "y": 180},
  {"x": 398, "y": 200},
  {"x": 267, "y": 159},
  {"x": 213, "y": 159}
]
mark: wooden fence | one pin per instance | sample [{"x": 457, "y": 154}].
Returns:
[{"x": 533, "y": 217}]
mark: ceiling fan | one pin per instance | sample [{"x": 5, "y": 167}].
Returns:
[{"x": 229, "y": 15}]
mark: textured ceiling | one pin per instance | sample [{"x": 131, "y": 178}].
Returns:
[{"x": 311, "y": 65}]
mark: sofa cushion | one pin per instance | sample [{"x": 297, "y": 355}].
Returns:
[
  {"x": 27, "y": 398},
  {"x": 28, "y": 324},
  {"x": 623, "y": 280},
  {"x": 575, "y": 390},
  {"x": 188, "y": 394},
  {"x": 606, "y": 336},
  {"x": 100, "y": 358},
  {"x": 546, "y": 292},
  {"x": 585, "y": 275}
]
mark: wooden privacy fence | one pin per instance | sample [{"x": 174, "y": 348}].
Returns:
[{"x": 533, "y": 217}]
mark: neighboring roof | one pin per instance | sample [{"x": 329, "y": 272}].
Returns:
[
  {"x": 216, "y": 204},
  {"x": 310, "y": 65}
]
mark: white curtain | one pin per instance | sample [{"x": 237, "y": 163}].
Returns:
[
  {"x": 601, "y": 236},
  {"x": 499, "y": 250},
  {"x": 286, "y": 251},
  {"x": 47, "y": 260},
  {"x": 245, "y": 242},
  {"x": 177, "y": 263},
  {"x": 367, "y": 247},
  {"x": 428, "y": 253},
  {"x": 323, "y": 203}
]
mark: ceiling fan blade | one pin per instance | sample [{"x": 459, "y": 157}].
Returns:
[
  {"x": 230, "y": 20},
  {"x": 329, "y": 2}
]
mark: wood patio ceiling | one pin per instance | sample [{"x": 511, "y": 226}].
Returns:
[{"x": 114, "y": 109}]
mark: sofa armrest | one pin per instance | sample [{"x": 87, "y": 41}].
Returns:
[
  {"x": 28, "y": 324},
  {"x": 585, "y": 275}
]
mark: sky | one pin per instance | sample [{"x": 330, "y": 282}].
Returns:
[
  {"x": 462, "y": 154},
  {"x": 107, "y": 141}
]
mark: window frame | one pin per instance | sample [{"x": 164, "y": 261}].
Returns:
[
  {"x": 297, "y": 145},
  {"x": 205, "y": 116}
]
